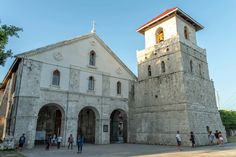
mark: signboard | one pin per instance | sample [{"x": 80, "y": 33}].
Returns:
[
  {"x": 40, "y": 135},
  {"x": 105, "y": 128}
]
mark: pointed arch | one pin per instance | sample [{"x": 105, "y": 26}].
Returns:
[
  {"x": 92, "y": 58},
  {"x": 159, "y": 35},
  {"x": 56, "y": 77}
]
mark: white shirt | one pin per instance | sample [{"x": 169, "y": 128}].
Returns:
[
  {"x": 178, "y": 137},
  {"x": 59, "y": 139}
]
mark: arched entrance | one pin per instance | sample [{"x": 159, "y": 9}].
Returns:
[
  {"x": 118, "y": 127},
  {"x": 87, "y": 124},
  {"x": 49, "y": 122}
]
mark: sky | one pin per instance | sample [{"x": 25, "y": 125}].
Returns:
[{"x": 49, "y": 21}]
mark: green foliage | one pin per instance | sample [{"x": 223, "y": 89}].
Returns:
[
  {"x": 5, "y": 33},
  {"x": 228, "y": 119}
]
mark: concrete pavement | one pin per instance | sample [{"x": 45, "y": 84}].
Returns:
[{"x": 135, "y": 150}]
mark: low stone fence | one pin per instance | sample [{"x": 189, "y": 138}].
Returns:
[{"x": 7, "y": 143}]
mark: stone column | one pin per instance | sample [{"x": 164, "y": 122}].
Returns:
[
  {"x": 102, "y": 135},
  {"x": 31, "y": 131},
  {"x": 26, "y": 125},
  {"x": 71, "y": 128},
  {"x": 105, "y": 131}
]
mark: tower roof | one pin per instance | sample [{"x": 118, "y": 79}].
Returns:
[{"x": 166, "y": 14}]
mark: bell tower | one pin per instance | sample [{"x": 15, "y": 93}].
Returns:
[{"x": 174, "y": 91}]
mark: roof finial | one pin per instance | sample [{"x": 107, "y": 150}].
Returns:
[{"x": 93, "y": 29}]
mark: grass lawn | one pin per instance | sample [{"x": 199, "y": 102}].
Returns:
[
  {"x": 232, "y": 139},
  {"x": 10, "y": 153}
]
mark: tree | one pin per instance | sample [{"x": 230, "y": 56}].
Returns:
[
  {"x": 228, "y": 119},
  {"x": 6, "y": 32}
]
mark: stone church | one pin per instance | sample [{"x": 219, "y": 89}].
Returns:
[{"x": 80, "y": 86}]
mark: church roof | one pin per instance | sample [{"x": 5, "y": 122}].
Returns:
[{"x": 167, "y": 13}]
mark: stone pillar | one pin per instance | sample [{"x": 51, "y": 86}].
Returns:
[
  {"x": 105, "y": 131},
  {"x": 26, "y": 125},
  {"x": 31, "y": 131},
  {"x": 71, "y": 125},
  {"x": 102, "y": 132}
]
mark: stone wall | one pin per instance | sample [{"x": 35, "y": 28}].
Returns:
[
  {"x": 177, "y": 99},
  {"x": 32, "y": 98},
  {"x": 159, "y": 110}
]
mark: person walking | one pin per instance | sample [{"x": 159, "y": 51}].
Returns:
[
  {"x": 54, "y": 137},
  {"x": 59, "y": 140},
  {"x": 221, "y": 139},
  {"x": 70, "y": 141},
  {"x": 21, "y": 142},
  {"x": 192, "y": 139},
  {"x": 80, "y": 142},
  {"x": 217, "y": 137},
  {"x": 48, "y": 142},
  {"x": 178, "y": 139},
  {"x": 211, "y": 137}
]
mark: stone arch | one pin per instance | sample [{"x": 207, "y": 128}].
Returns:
[
  {"x": 118, "y": 126},
  {"x": 50, "y": 121},
  {"x": 88, "y": 124}
]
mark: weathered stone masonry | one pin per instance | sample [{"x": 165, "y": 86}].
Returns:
[{"x": 173, "y": 90}]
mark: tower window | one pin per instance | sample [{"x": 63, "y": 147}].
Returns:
[
  {"x": 159, "y": 35},
  {"x": 200, "y": 69},
  {"x": 91, "y": 83},
  {"x": 118, "y": 87},
  {"x": 191, "y": 66},
  {"x": 92, "y": 56},
  {"x": 149, "y": 70},
  {"x": 186, "y": 32},
  {"x": 56, "y": 78},
  {"x": 163, "y": 67}
]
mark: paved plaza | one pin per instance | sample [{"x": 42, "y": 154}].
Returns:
[{"x": 135, "y": 150}]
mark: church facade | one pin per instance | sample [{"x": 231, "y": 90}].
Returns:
[{"x": 80, "y": 86}]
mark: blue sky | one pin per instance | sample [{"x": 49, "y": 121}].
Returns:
[{"x": 49, "y": 21}]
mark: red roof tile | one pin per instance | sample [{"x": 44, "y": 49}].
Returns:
[
  {"x": 158, "y": 17},
  {"x": 169, "y": 11}
]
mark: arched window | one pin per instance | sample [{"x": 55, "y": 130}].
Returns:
[
  {"x": 159, "y": 35},
  {"x": 149, "y": 70},
  {"x": 91, "y": 83},
  {"x": 118, "y": 87},
  {"x": 163, "y": 67},
  {"x": 92, "y": 57},
  {"x": 186, "y": 32},
  {"x": 200, "y": 69},
  {"x": 56, "y": 78},
  {"x": 191, "y": 66}
]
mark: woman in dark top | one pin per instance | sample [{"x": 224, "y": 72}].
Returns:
[{"x": 192, "y": 139}]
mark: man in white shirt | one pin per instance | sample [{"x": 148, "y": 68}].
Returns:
[
  {"x": 59, "y": 140},
  {"x": 178, "y": 139}
]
